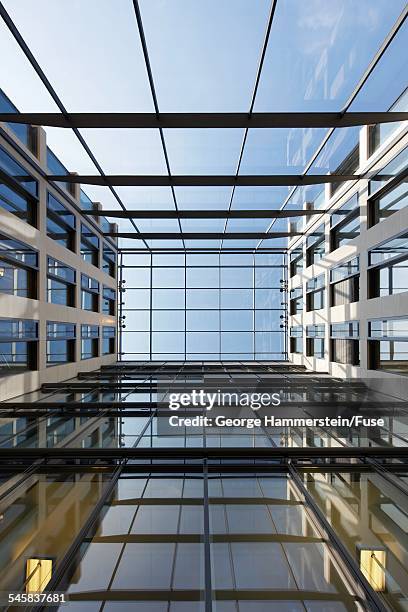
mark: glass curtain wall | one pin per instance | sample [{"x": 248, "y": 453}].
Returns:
[{"x": 203, "y": 306}]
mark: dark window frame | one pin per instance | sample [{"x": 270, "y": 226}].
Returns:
[
  {"x": 56, "y": 218},
  {"x": 55, "y": 277}
]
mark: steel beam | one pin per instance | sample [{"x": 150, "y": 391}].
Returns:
[
  {"x": 204, "y": 120},
  {"x": 215, "y": 180}
]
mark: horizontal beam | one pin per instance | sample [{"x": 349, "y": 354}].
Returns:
[
  {"x": 242, "y": 453},
  {"x": 204, "y": 120},
  {"x": 202, "y": 236},
  {"x": 203, "y": 214},
  {"x": 203, "y": 250},
  {"x": 161, "y": 180}
]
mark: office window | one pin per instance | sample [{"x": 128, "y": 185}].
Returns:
[
  {"x": 296, "y": 339},
  {"x": 109, "y": 301},
  {"x": 296, "y": 261},
  {"x": 89, "y": 341},
  {"x": 315, "y": 293},
  {"x": 18, "y": 190},
  {"x": 108, "y": 260},
  {"x": 315, "y": 341},
  {"x": 344, "y": 342},
  {"x": 296, "y": 301},
  {"x": 387, "y": 194},
  {"x": 89, "y": 246},
  {"x": 108, "y": 341},
  {"x": 386, "y": 203},
  {"x": 61, "y": 280},
  {"x": 388, "y": 345},
  {"x": 89, "y": 293},
  {"x": 389, "y": 172},
  {"x": 60, "y": 342},
  {"x": 345, "y": 283},
  {"x": 388, "y": 271},
  {"x": 315, "y": 246},
  {"x": 61, "y": 223},
  {"x": 18, "y": 345},
  {"x": 396, "y": 247},
  {"x": 348, "y": 165},
  {"x": 345, "y": 223},
  {"x": 18, "y": 268}
]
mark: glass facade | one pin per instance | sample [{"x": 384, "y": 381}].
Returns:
[{"x": 204, "y": 307}]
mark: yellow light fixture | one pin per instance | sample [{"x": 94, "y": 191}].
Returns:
[
  {"x": 372, "y": 565},
  {"x": 38, "y": 574},
  {"x": 2, "y": 271}
]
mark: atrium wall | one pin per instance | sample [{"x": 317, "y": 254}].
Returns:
[
  {"x": 370, "y": 305},
  {"x": 34, "y": 237}
]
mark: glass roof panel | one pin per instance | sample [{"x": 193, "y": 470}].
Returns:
[
  {"x": 240, "y": 244},
  {"x": 318, "y": 51},
  {"x": 161, "y": 244},
  {"x": 127, "y": 151},
  {"x": 203, "y": 198},
  {"x": 69, "y": 150},
  {"x": 158, "y": 225},
  {"x": 146, "y": 198},
  {"x": 203, "y": 151},
  {"x": 90, "y": 52},
  {"x": 203, "y": 225},
  {"x": 259, "y": 197},
  {"x": 20, "y": 82},
  {"x": 204, "y": 55},
  {"x": 340, "y": 153},
  {"x": 202, "y": 244},
  {"x": 248, "y": 225},
  {"x": 388, "y": 79},
  {"x": 100, "y": 193},
  {"x": 279, "y": 151}
]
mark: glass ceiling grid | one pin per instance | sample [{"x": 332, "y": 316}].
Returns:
[
  {"x": 353, "y": 96},
  {"x": 37, "y": 68},
  {"x": 334, "y": 37}
]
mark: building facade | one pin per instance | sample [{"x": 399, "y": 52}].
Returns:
[
  {"x": 347, "y": 288},
  {"x": 58, "y": 274}
]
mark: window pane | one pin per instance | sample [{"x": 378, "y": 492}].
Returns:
[
  {"x": 168, "y": 320},
  {"x": 237, "y": 320},
  {"x": 168, "y": 298},
  {"x": 198, "y": 320}
]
